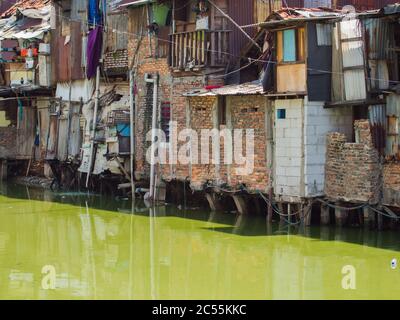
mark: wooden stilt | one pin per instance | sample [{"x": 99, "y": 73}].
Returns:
[
  {"x": 308, "y": 215},
  {"x": 240, "y": 203},
  {"x": 341, "y": 216},
  {"x": 369, "y": 218},
  {"x": 214, "y": 202},
  {"x": 3, "y": 169},
  {"x": 280, "y": 208},
  {"x": 325, "y": 215},
  {"x": 270, "y": 209},
  {"x": 380, "y": 222}
]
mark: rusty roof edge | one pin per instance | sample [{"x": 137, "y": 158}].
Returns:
[
  {"x": 248, "y": 88},
  {"x": 294, "y": 21}
]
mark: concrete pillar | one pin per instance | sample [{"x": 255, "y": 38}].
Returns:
[
  {"x": 214, "y": 202},
  {"x": 325, "y": 215},
  {"x": 341, "y": 217},
  {"x": 241, "y": 204},
  {"x": 3, "y": 169}
]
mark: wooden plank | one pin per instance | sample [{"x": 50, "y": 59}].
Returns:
[{"x": 297, "y": 82}]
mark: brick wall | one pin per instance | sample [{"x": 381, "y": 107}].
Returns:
[
  {"x": 8, "y": 137},
  {"x": 243, "y": 112},
  {"x": 353, "y": 169},
  {"x": 147, "y": 64},
  {"x": 391, "y": 183},
  {"x": 179, "y": 112},
  {"x": 116, "y": 62},
  {"x": 318, "y": 122},
  {"x": 248, "y": 112},
  {"x": 201, "y": 117}
]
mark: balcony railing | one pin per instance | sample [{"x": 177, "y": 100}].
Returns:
[{"x": 199, "y": 49}]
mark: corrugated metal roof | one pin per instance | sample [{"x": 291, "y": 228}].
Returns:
[
  {"x": 25, "y": 4},
  {"x": 392, "y": 9},
  {"x": 33, "y": 24},
  {"x": 296, "y": 13},
  {"x": 250, "y": 88},
  {"x": 127, "y": 3}
]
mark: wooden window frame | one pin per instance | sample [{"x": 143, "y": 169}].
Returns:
[{"x": 300, "y": 45}]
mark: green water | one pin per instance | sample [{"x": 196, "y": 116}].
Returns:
[{"x": 100, "y": 250}]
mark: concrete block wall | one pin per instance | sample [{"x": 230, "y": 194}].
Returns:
[
  {"x": 289, "y": 159},
  {"x": 318, "y": 122}
]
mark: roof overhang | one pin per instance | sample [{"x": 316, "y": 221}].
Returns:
[
  {"x": 133, "y": 4},
  {"x": 250, "y": 88}
]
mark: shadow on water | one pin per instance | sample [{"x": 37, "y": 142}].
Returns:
[{"x": 246, "y": 226}]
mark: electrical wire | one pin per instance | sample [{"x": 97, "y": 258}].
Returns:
[{"x": 223, "y": 52}]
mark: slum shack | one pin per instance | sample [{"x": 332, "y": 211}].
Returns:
[
  {"x": 26, "y": 82},
  {"x": 299, "y": 44}
]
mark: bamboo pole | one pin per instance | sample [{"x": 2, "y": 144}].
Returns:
[
  {"x": 132, "y": 133},
  {"x": 93, "y": 134}
]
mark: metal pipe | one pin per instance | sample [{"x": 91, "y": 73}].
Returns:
[
  {"x": 132, "y": 122},
  {"x": 93, "y": 134},
  {"x": 153, "y": 135}
]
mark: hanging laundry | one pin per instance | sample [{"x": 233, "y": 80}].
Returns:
[
  {"x": 94, "y": 47},
  {"x": 94, "y": 13}
]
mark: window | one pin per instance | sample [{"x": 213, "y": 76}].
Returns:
[
  {"x": 222, "y": 111},
  {"x": 281, "y": 114},
  {"x": 291, "y": 45},
  {"x": 324, "y": 34}
]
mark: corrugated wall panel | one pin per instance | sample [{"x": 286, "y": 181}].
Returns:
[
  {"x": 243, "y": 13},
  {"x": 378, "y": 120},
  {"x": 365, "y": 4}
]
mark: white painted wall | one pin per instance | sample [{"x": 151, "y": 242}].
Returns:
[
  {"x": 288, "y": 148},
  {"x": 318, "y": 122},
  {"x": 300, "y": 145}
]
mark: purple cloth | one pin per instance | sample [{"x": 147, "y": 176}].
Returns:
[{"x": 94, "y": 47}]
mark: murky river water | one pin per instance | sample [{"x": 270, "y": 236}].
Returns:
[{"x": 98, "y": 249}]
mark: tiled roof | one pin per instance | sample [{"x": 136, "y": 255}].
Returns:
[{"x": 25, "y": 4}]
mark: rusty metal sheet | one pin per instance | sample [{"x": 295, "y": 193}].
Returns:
[
  {"x": 243, "y": 13},
  {"x": 378, "y": 120},
  {"x": 75, "y": 132},
  {"x": 52, "y": 139},
  {"x": 26, "y": 133}
]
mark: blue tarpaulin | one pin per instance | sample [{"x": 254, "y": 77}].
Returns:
[{"x": 94, "y": 12}]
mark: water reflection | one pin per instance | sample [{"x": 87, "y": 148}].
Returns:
[{"x": 111, "y": 249}]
